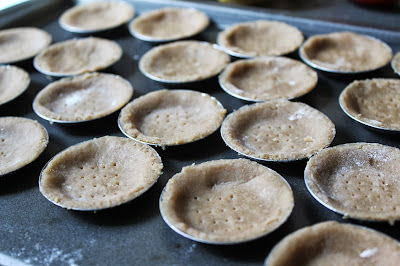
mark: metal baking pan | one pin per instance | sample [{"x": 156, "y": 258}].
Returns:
[{"x": 35, "y": 231}]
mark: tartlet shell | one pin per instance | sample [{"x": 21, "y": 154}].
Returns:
[{"x": 226, "y": 201}]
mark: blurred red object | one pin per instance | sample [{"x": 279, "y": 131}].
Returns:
[{"x": 376, "y": 2}]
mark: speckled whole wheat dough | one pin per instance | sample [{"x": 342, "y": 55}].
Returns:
[
  {"x": 396, "y": 63},
  {"x": 226, "y": 201},
  {"x": 183, "y": 61},
  {"x": 17, "y": 44},
  {"x": 22, "y": 140},
  {"x": 96, "y": 16},
  {"x": 82, "y": 98},
  {"x": 171, "y": 117},
  {"x": 268, "y": 78},
  {"x": 374, "y": 102},
  {"x": 13, "y": 82},
  {"x": 331, "y": 243},
  {"x": 167, "y": 24},
  {"x": 358, "y": 180},
  {"x": 277, "y": 130},
  {"x": 100, "y": 173},
  {"x": 77, "y": 56},
  {"x": 345, "y": 52},
  {"x": 260, "y": 38}
]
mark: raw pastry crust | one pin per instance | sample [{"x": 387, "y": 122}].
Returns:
[
  {"x": 168, "y": 24},
  {"x": 260, "y": 38},
  {"x": 331, "y": 243},
  {"x": 171, "y": 117},
  {"x": 96, "y": 16},
  {"x": 22, "y": 140},
  {"x": 100, "y": 173},
  {"x": 374, "y": 102},
  {"x": 277, "y": 130},
  {"x": 183, "y": 61},
  {"x": 13, "y": 82},
  {"x": 82, "y": 98},
  {"x": 17, "y": 44},
  {"x": 345, "y": 52},
  {"x": 358, "y": 180},
  {"x": 268, "y": 78},
  {"x": 226, "y": 201},
  {"x": 77, "y": 56}
]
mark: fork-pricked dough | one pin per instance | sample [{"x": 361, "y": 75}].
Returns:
[
  {"x": 17, "y": 44},
  {"x": 96, "y": 16},
  {"x": 171, "y": 117},
  {"x": 22, "y": 140},
  {"x": 268, "y": 78},
  {"x": 226, "y": 201},
  {"x": 82, "y": 98},
  {"x": 77, "y": 56},
  {"x": 358, "y": 180},
  {"x": 331, "y": 243},
  {"x": 167, "y": 24},
  {"x": 100, "y": 173},
  {"x": 183, "y": 61},
  {"x": 374, "y": 102},
  {"x": 13, "y": 82},
  {"x": 345, "y": 52},
  {"x": 260, "y": 38},
  {"x": 277, "y": 130}
]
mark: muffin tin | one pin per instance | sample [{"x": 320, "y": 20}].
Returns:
[{"x": 33, "y": 230}]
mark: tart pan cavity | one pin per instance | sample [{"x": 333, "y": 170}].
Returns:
[
  {"x": 96, "y": 16},
  {"x": 168, "y": 24},
  {"x": 77, "y": 56},
  {"x": 22, "y": 140},
  {"x": 226, "y": 201},
  {"x": 267, "y": 78},
  {"x": 18, "y": 44},
  {"x": 82, "y": 98},
  {"x": 373, "y": 102},
  {"x": 13, "y": 82},
  {"x": 100, "y": 173},
  {"x": 345, "y": 52},
  {"x": 332, "y": 243},
  {"x": 358, "y": 180},
  {"x": 260, "y": 38},
  {"x": 277, "y": 130},
  {"x": 171, "y": 117},
  {"x": 183, "y": 61}
]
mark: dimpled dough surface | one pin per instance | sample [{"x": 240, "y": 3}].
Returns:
[
  {"x": 260, "y": 38},
  {"x": 375, "y": 102},
  {"x": 82, "y": 98},
  {"x": 169, "y": 23},
  {"x": 346, "y": 52},
  {"x": 330, "y": 244},
  {"x": 268, "y": 78},
  {"x": 13, "y": 82},
  {"x": 78, "y": 56},
  {"x": 100, "y": 173},
  {"x": 22, "y": 140},
  {"x": 359, "y": 180},
  {"x": 96, "y": 16},
  {"x": 183, "y": 61},
  {"x": 17, "y": 44},
  {"x": 226, "y": 201},
  {"x": 277, "y": 130},
  {"x": 171, "y": 117}
]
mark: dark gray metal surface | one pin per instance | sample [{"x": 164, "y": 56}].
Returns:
[{"x": 33, "y": 230}]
